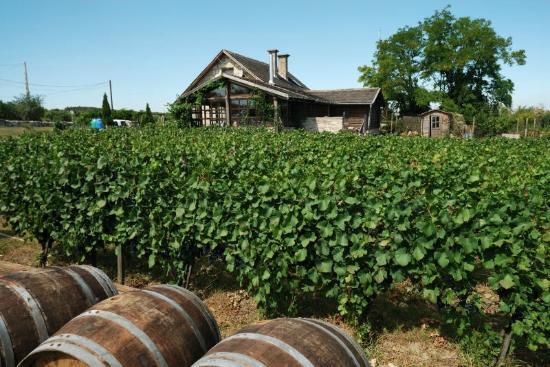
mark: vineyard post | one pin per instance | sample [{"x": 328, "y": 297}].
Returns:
[
  {"x": 119, "y": 265},
  {"x": 505, "y": 347}
]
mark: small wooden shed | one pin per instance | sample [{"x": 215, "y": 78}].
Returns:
[{"x": 436, "y": 123}]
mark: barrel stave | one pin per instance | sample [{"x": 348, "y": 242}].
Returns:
[
  {"x": 23, "y": 334},
  {"x": 259, "y": 351},
  {"x": 56, "y": 359},
  {"x": 198, "y": 311},
  {"x": 158, "y": 320},
  {"x": 345, "y": 339},
  {"x": 111, "y": 336}
]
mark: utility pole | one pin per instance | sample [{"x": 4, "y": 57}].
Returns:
[
  {"x": 111, "y": 94},
  {"x": 27, "y": 91}
]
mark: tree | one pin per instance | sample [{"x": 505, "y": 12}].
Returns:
[
  {"x": 455, "y": 61},
  {"x": 148, "y": 116},
  {"x": 125, "y": 114},
  {"x": 7, "y": 111},
  {"x": 397, "y": 70},
  {"x": 29, "y": 107},
  {"x": 106, "y": 111},
  {"x": 56, "y": 114}
]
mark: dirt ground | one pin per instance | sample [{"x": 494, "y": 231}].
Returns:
[{"x": 407, "y": 328}]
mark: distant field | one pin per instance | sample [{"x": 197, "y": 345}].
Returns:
[{"x": 14, "y": 131}]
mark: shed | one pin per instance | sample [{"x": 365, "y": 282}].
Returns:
[{"x": 436, "y": 123}]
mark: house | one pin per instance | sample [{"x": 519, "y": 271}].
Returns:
[
  {"x": 436, "y": 123},
  {"x": 233, "y": 90}
]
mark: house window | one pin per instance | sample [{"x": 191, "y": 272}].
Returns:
[
  {"x": 435, "y": 122},
  {"x": 218, "y": 92},
  {"x": 238, "y": 89},
  {"x": 243, "y": 111}
]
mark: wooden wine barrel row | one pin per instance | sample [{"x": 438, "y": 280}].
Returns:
[
  {"x": 36, "y": 303},
  {"x": 162, "y": 325},
  {"x": 287, "y": 342},
  {"x": 7, "y": 267}
]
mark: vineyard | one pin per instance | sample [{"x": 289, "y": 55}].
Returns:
[{"x": 296, "y": 215}]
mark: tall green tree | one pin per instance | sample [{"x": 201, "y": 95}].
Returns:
[
  {"x": 456, "y": 61},
  {"x": 106, "y": 111},
  {"x": 148, "y": 116}
]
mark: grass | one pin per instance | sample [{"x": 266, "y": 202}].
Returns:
[
  {"x": 15, "y": 131},
  {"x": 402, "y": 329}
]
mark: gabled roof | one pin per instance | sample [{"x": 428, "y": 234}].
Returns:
[
  {"x": 285, "y": 93},
  {"x": 292, "y": 88},
  {"x": 347, "y": 96},
  {"x": 261, "y": 70},
  {"x": 432, "y": 111}
]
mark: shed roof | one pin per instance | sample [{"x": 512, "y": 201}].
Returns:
[
  {"x": 434, "y": 111},
  {"x": 347, "y": 96}
]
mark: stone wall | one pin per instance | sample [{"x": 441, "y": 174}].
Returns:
[
  {"x": 17, "y": 123},
  {"x": 320, "y": 124}
]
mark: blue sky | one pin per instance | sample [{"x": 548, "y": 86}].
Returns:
[{"x": 151, "y": 50}]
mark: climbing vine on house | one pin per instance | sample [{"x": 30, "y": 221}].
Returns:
[
  {"x": 298, "y": 214},
  {"x": 181, "y": 111}
]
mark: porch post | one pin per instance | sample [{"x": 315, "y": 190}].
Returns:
[
  {"x": 368, "y": 119},
  {"x": 276, "y": 110},
  {"x": 227, "y": 105}
]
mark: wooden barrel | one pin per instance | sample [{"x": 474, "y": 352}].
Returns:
[
  {"x": 162, "y": 325},
  {"x": 287, "y": 342},
  {"x": 36, "y": 303}
]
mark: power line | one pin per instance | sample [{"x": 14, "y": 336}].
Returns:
[
  {"x": 71, "y": 90},
  {"x": 10, "y": 65},
  {"x": 54, "y": 86}
]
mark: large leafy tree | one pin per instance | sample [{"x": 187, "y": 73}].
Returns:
[
  {"x": 456, "y": 61},
  {"x": 397, "y": 68}
]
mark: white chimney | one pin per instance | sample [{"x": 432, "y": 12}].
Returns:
[
  {"x": 283, "y": 66},
  {"x": 272, "y": 65}
]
